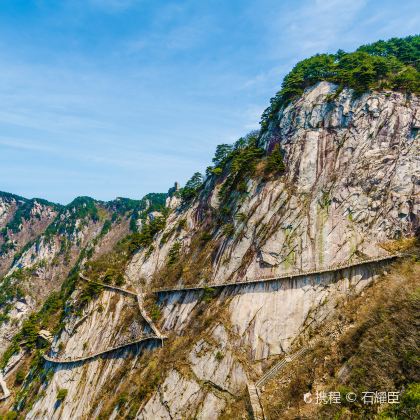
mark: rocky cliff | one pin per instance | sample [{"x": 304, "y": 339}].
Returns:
[
  {"x": 352, "y": 183},
  {"x": 348, "y": 191},
  {"x": 345, "y": 189}
]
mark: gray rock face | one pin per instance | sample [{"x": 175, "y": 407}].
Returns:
[
  {"x": 352, "y": 183},
  {"x": 39, "y": 216},
  {"x": 105, "y": 323},
  {"x": 176, "y": 398}
]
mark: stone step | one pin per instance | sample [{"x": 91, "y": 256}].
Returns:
[
  {"x": 3, "y": 385},
  {"x": 257, "y": 410}
]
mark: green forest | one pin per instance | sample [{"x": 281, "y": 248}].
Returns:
[{"x": 392, "y": 64}]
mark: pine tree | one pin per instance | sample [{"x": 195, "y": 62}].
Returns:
[{"x": 275, "y": 161}]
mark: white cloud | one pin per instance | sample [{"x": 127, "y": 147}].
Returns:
[
  {"x": 24, "y": 145},
  {"x": 314, "y": 26},
  {"x": 178, "y": 37}
]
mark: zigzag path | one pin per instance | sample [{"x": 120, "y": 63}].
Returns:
[
  {"x": 253, "y": 389},
  {"x": 139, "y": 299}
]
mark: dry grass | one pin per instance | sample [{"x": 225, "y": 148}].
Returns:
[
  {"x": 376, "y": 350},
  {"x": 136, "y": 386},
  {"x": 399, "y": 245},
  {"x": 191, "y": 266}
]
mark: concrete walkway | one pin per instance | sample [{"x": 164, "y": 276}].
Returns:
[
  {"x": 291, "y": 275},
  {"x": 254, "y": 399},
  {"x": 139, "y": 299},
  {"x": 70, "y": 359},
  {"x": 3, "y": 385}
]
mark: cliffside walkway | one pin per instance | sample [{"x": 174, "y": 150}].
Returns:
[
  {"x": 108, "y": 286},
  {"x": 254, "y": 389},
  {"x": 3, "y": 385},
  {"x": 290, "y": 358},
  {"x": 290, "y": 275},
  {"x": 157, "y": 335},
  {"x": 254, "y": 399},
  {"x": 139, "y": 299},
  {"x": 69, "y": 359}
]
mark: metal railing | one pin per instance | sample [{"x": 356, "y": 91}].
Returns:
[
  {"x": 278, "y": 366},
  {"x": 289, "y": 275},
  {"x": 156, "y": 333},
  {"x": 108, "y": 286},
  {"x": 70, "y": 359}
]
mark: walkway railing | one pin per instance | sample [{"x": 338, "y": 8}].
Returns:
[
  {"x": 147, "y": 317},
  {"x": 278, "y": 366},
  {"x": 291, "y": 357},
  {"x": 108, "y": 286},
  {"x": 254, "y": 389},
  {"x": 139, "y": 300},
  {"x": 70, "y": 359},
  {"x": 3, "y": 385},
  {"x": 156, "y": 333},
  {"x": 159, "y": 336},
  {"x": 290, "y": 275}
]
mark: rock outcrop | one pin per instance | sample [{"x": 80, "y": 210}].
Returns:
[{"x": 350, "y": 186}]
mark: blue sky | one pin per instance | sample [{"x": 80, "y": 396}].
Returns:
[{"x": 123, "y": 97}]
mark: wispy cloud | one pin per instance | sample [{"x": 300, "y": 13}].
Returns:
[
  {"x": 132, "y": 95},
  {"x": 178, "y": 37},
  {"x": 312, "y": 26},
  {"x": 27, "y": 145}
]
